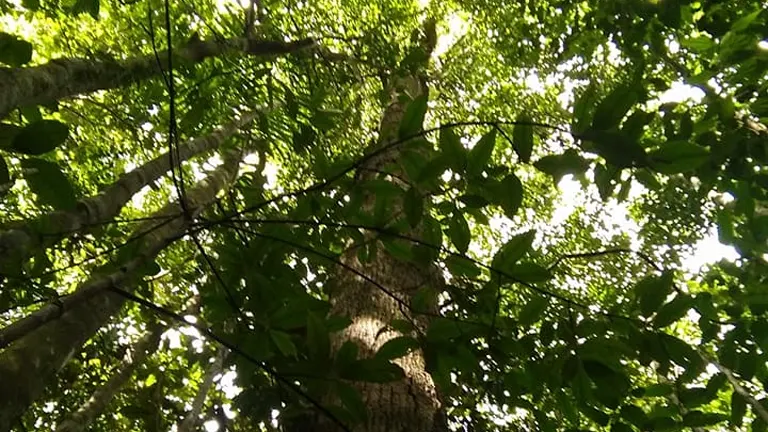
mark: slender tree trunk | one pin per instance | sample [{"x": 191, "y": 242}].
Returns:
[
  {"x": 413, "y": 403},
  {"x": 191, "y": 421},
  {"x": 23, "y": 238},
  {"x": 103, "y": 395},
  {"x": 31, "y": 362},
  {"x": 68, "y": 77}
]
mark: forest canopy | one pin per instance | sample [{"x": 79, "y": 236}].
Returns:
[{"x": 383, "y": 216}]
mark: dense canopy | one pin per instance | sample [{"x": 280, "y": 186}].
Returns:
[{"x": 375, "y": 216}]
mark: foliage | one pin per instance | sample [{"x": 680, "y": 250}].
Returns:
[{"x": 545, "y": 322}]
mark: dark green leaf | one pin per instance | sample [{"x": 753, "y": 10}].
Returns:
[
  {"x": 699, "y": 419},
  {"x": 89, "y": 6},
  {"x": 7, "y": 133},
  {"x": 677, "y": 157},
  {"x": 50, "y": 185},
  {"x": 559, "y": 165},
  {"x": 397, "y": 347},
  {"x": 318, "y": 341},
  {"x": 522, "y": 138},
  {"x": 32, "y": 5},
  {"x": 511, "y": 195},
  {"x": 634, "y": 415},
  {"x": 373, "y": 370},
  {"x": 351, "y": 399},
  {"x": 673, "y": 311},
  {"x": 679, "y": 351},
  {"x": 582, "y": 108},
  {"x": 614, "y": 107},
  {"x": 652, "y": 291},
  {"x": 458, "y": 231},
  {"x": 14, "y": 51},
  {"x": 5, "y": 176},
  {"x": 616, "y": 147},
  {"x": 533, "y": 310},
  {"x": 346, "y": 355},
  {"x": 480, "y": 154},
  {"x": 283, "y": 342},
  {"x": 413, "y": 118},
  {"x": 443, "y": 329},
  {"x": 473, "y": 201},
  {"x": 530, "y": 272},
  {"x": 511, "y": 252},
  {"x": 40, "y": 137},
  {"x": 460, "y": 266},
  {"x": 738, "y": 408},
  {"x": 413, "y": 206},
  {"x": 452, "y": 149}
]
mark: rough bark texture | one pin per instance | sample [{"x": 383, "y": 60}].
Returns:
[
  {"x": 68, "y": 77},
  {"x": 412, "y": 404},
  {"x": 29, "y": 364},
  {"x": 23, "y": 238},
  {"x": 191, "y": 421},
  {"x": 103, "y": 395}
]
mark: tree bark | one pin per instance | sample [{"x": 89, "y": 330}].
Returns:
[
  {"x": 23, "y": 238},
  {"x": 413, "y": 403},
  {"x": 192, "y": 419},
  {"x": 29, "y": 364},
  {"x": 103, "y": 395},
  {"x": 68, "y": 77}
]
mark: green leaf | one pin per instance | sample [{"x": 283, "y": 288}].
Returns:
[
  {"x": 283, "y": 343},
  {"x": 652, "y": 291},
  {"x": 89, "y": 6},
  {"x": 699, "y": 419},
  {"x": 473, "y": 201},
  {"x": 511, "y": 252},
  {"x": 634, "y": 414},
  {"x": 452, "y": 149},
  {"x": 614, "y": 107},
  {"x": 304, "y": 139},
  {"x": 5, "y": 176},
  {"x": 50, "y": 185},
  {"x": 442, "y": 329},
  {"x": 616, "y": 148},
  {"x": 7, "y": 134},
  {"x": 351, "y": 399},
  {"x": 318, "y": 340},
  {"x": 744, "y": 22},
  {"x": 677, "y": 157},
  {"x": 673, "y": 311},
  {"x": 511, "y": 195},
  {"x": 679, "y": 351},
  {"x": 458, "y": 231},
  {"x": 40, "y": 137},
  {"x": 582, "y": 108},
  {"x": 533, "y": 310},
  {"x": 32, "y": 5},
  {"x": 480, "y": 154},
  {"x": 413, "y": 118},
  {"x": 373, "y": 370},
  {"x": 530, "y": 272},
  {"x": 346, "y": 355},
  {"x": 738, "y": 408},
  {"x": 660, "y": 389},
  {"x": 522, "y": 138},
  {"x": 559, "y": 165},
  {"x": 461, "y": 266},
  {"x": 14, "y": 51},
  {"x": 397, "y": 347},
  {"x": 413, "y": 206}
]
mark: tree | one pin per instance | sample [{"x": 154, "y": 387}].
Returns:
[{"x": 432, "y": 239}]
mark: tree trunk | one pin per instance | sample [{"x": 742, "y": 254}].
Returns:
[
  {"x": 29, "y": 364},
  {"x": 103, "y": 395},
  {"x": 413, "y": 403},
  {"x": 190, "y": 422},
  {"x": 23, "y": 238},
  {"x": 68, "y": 77}
]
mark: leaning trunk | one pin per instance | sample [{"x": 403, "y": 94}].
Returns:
[
  {"x": 386, "y": 291},
  {"x": 23, "y": 238},
  {"x": 101, "y": 398},
  {"x": 62, "y": 78},
  {"x": 29, "y": 364}
]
